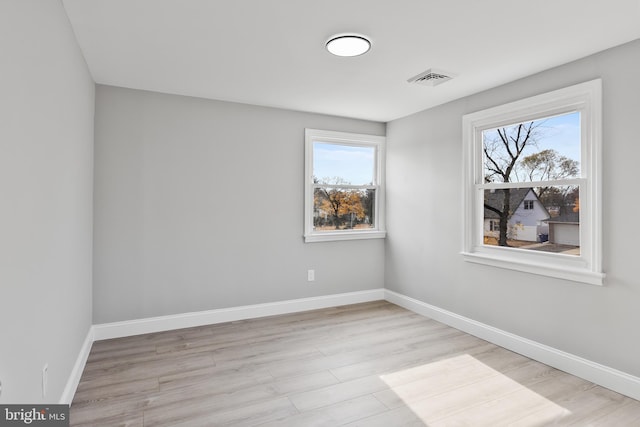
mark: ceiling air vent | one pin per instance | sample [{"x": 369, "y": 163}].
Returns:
[{"x": 431, "y": 77}]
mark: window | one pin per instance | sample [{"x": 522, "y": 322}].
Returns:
[
  {"x": 344, "y": 188},
  {"x": 532, "y": 185}
]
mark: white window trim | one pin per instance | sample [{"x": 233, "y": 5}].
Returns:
[
  {"x": 586, "y": 268},
  {"x": 378, "y": 142}
]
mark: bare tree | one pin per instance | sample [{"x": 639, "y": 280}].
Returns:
[{"x": 502, "y": 150}]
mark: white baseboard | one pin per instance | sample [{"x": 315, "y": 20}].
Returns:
[
  {"x": 613, "y": 379},
  {"x": 605, "y": 376},
  {"x": 187, "y": 320},
  {"x": 76, "y": 373}
]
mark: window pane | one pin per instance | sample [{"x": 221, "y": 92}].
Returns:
[
  {"x": 343, "y": 164},
  {"x": 539, "y": 150},
  {"x": 340, "y": 209},
  {"x": 541, "y": 218}
]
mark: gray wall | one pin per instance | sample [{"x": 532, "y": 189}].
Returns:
[
  {"x": 46, "y": 167},
  {"x": 199, "y": 205},
  {"x": 425, "y": 222}
]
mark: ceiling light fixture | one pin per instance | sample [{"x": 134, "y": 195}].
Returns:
[{"x": 348, "y": 45}]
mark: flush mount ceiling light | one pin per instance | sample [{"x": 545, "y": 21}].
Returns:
[{"x": 348, "y": 45}]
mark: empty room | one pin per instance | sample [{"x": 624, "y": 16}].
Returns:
[{"x": 296, "y": 213}]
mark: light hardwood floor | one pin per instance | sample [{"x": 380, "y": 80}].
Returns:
[{"x": 372, "y": 364}]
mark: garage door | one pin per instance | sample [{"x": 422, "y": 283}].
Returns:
[{"x": 566, "y": 234}]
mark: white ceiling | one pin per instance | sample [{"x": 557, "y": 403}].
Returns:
[{"x": 271, "y": 52}]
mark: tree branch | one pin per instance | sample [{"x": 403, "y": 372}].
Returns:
[{"x": 492, "y": 209}]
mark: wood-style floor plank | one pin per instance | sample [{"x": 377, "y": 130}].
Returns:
[{"x": 372, "y": 364}]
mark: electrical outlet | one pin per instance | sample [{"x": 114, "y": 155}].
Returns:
[
  {"x": 311, "y": 275},
  {"x": 45, "y": 372}
]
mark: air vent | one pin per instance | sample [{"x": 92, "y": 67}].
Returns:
[{"x": 431, "y": 77}]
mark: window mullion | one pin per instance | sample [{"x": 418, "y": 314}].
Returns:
[
  {"x": 532, "y": 184},
  {"x": 346, "y": 187}
]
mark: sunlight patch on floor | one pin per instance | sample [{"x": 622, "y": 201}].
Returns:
[{"x": 462, "y": 391}]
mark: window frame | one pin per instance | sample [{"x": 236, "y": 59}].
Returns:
[
  {"x": 349, "y": 139},
  {"x": 585, "y": 98}
]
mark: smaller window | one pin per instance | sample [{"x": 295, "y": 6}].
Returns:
[
  {"x": 344, "y": 192},
  {"x": 528, "y": 205}
]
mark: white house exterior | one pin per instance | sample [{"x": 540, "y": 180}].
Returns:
[{"x": 526, "y": 222}]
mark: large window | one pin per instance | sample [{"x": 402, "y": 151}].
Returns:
[
  {"x": 344, "y": 191},
  {"x": 532, "y": 184}
]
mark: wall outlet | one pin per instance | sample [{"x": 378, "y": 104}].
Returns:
[
  {"x": 45, "y": 373},
  {"x": 311, "y": 275}
]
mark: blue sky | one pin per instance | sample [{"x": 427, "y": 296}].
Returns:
[
  {"x": 563, "y": 135},
  {"x": 355, "y": 164},
  {"x": 352, "y": 163},
  {"x": 560, "y": 133}
]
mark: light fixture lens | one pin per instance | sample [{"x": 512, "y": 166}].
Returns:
[{"x": 348, "y": 45}]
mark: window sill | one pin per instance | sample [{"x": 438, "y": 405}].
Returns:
[
  {"x": 581, "y": 275},
  {"x": 344, "y": 235}
]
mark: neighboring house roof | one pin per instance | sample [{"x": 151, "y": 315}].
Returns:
[
  {"x": 569, "y": 217},
  {"x": 496, "y": 199}
]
